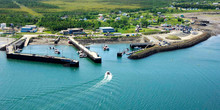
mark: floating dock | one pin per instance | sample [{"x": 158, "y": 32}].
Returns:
[
  {"x": 11, "y": 52},
  {"x": 92, "y": 55}
]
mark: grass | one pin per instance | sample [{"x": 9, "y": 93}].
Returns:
[
  {"x": 88, "y": 5},
  {"x": 26, "y": 9},
  {"x": 132, "y": 30},
  {"x": 173, "y": 37}
]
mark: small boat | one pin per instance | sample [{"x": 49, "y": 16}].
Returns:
[
  {"x": 88, "y": 47},
  {"x": 119, "y": 54},
  {"x": 82, "y": 55},
  {"x": 57, "y": 51},
  {"x": 105, "y": 48},
  {"x": 78, "y": 52},
  {"x": 137, "y": 48},
  {"x": 130, "y": 53},
  {"x": 18, "y": 51},
  {"x": 108, "y": 73},
  {"x": 70, "y": 42}
]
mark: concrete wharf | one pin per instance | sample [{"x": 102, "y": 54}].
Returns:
[
  {"x": 11, "y": 52},
  {"x": 92, "y": 55}
]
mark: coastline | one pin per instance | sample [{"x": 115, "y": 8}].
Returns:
[{"x": 174, "y": 46}]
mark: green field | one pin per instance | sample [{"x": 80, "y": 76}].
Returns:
[{"x": 34, "y": 7}]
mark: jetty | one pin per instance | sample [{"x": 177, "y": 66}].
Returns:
[
  {"x": 13, "y": 52},
  {"x": 92, "y": 55}
]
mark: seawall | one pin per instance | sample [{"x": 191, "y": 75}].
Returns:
[
  {"x": 108, "y": 40},
  {"x": 174, "y": 46},
  {"x": 47, "y": 59}
]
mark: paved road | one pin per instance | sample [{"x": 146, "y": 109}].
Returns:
[{"x": 152, "y": 39}]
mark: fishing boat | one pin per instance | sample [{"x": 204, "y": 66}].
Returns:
[
  {"x": 105, "y": 48},
  {"x": 57, "y": 51},
  {"x": 88, "y": 47}
]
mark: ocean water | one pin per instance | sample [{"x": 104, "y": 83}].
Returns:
[{"x": 181, "y": 79}]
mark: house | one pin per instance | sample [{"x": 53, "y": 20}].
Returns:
[
  {"x": 124, "y": 14},
  {"x": 3, "y": 25},
  {"x": 64, "y": 17},
  {"x": 101, "y": 18},
  {"x": 117, "y": 18},
  {"x": 159, "y": 13},
  {"x": 106, "y": 29}
]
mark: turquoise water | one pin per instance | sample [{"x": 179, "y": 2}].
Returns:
[{"x": 182, "y": 79}]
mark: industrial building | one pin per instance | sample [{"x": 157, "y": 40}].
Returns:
[
  {"x": 74, "y": 31},
  {"x": 29, "y": 28},
  {"x": 106, "y": 29}
]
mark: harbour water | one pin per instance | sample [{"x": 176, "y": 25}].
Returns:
[{"x": 181, "y": 79}]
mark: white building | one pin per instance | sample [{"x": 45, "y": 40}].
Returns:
[
  {"x": 215, "y": 3},
  {"x": 31, "y": 26},
  {"x": 3, "y": 25}
]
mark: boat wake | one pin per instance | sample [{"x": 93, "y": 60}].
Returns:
[{"x": 107, "y": 78}]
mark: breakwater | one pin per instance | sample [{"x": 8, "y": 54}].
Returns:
[{"x": 174, "y": 46}]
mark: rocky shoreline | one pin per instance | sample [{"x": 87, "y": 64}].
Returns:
[{"x": 174, "y": 46}]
